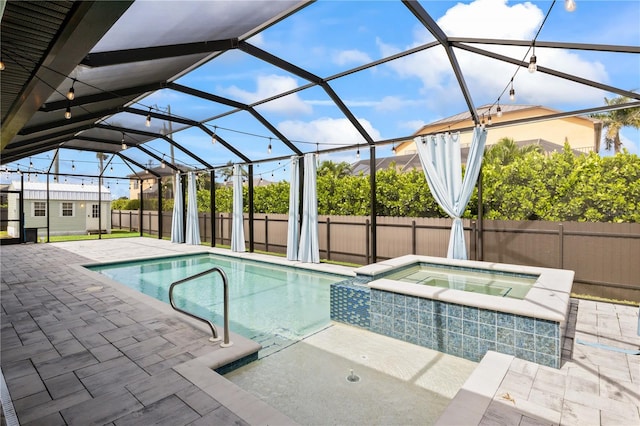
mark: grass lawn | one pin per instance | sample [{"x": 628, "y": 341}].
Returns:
[{"x": 115, "y": 233}]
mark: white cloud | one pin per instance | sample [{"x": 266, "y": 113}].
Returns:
[
  {"x": 270, "y": 85},
  {"x": 486, "y": 78},
  {"x": 346, "y": 57},
  {"x": 327, "y": 131},
  {"x": 412, "y": 125}
]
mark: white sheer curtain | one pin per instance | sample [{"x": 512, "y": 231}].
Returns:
[
  {"x": 237, "y": 225},
  {"x": 309, "y": 251},
  {"x": 177, "y": 234},
  {"x": 293, "y": 233},
  {"x": 440, "y": 158},
  {"x": 193, "y": 226}
]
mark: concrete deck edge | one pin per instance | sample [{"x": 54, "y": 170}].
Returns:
[{"x": 470, "y": 403}]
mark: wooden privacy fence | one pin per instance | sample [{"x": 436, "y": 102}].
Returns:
[{"x": 605, "y": 256}]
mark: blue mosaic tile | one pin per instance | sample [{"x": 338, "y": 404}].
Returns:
[
  {"x": 486, "y": 345},
  {"x": 411, "y": 330},
  {"x": 376, "y": 295},
  {"x": 440, "y": 321},
  {"x": 547, "y": 360},
  {"x": 413, "y": 302},
  {"x": 525, "y": 354},
  {"x": 505, "y": 336},
  {"x": 546, "y": 345},
  {"x": 426, "y": 305},
  {"x": 454, "y": 324},
  {"x": 525, "y": 324},
  {"x": 386, "y": 309},
  {"x": 470, "y": 313},
  {"x": 386, "y": 297},
  {"x": 547, "y": 328},
  {"x": 413, "y": 315},
  {"x": 487, "y": 317},
  {"x": 506, "y": 349},
  {"x": 399, "y": 311},
  {"x": 470, "y": 328},
  {"x": 426, "y": 318},
  {"x": 399, "y": 299},
  {"x": 375, "y": 306},
  {"x": 505, "y": 320},
  {"x": 439, "y": 308},
  {"x": 411, "y": 338},
  {"x": 525, "y": 341},
  {"x": 399, "y": 325},
  {"x": 487, "y": 332},
  {"x": 425, "y": 335},
  {"x": 454, "y": 310},
  {"x": 454, "y": 340}
]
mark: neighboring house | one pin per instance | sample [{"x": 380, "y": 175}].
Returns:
[
  {"x": 73, "y": 209},
  {"x": 582, "y": 133},
  {"x": 150, "y": 183}
]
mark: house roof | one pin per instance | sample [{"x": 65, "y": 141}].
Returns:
[{"x": 62, "y": 191}]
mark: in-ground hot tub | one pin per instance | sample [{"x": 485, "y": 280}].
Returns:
[{"x": 398, "y": 298}]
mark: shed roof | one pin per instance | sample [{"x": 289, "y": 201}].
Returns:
[{"x": 62, "y": 191}]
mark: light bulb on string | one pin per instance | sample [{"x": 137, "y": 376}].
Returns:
[
  {"x": 67, "y": 112},
  {"x": 569, "y": 5},
  {"x": 2, "y": 65},
  {"x": 499, "y": 111},
  {"x": 124, "y": 144},
  {"x": 269, "y": 147},
  {"x": 73, "y": 166},
  {"x": 147, "y": 122},
  {"x": 489, "y": 119},
  {"x": 533, "y": 66},
  {"x": 71, "y": 94},
  {"x": 358, "y": 153},
  {"x": 30, "y": 163},
  {"x": 512, "y": 92},
  {"x": 213, "y": 135},
  {"x": 393, "y": 148}
]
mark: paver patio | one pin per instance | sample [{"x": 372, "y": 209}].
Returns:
[{"x": 76, "y": 350}]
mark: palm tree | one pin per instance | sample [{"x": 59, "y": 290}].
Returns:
[
  {"x": 615, "y": 120},
  {"x": 337, "y": 170},
  {"x": 505, "y": 151}
]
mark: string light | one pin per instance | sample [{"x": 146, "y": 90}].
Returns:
[
  {"x": 124, "y": 144},
  {"x": 67, "y": 112},
  {"x": 269, "y": 147},
  {"x": 532, "y": 61},
  {"x": 512, "y": 92},
  {"x": 71, "y": 94},
  {"x": 73, "y": 166},
  {"x": 569, "y": 5},
  {"x": 489, "y": 119},
  {"x": 147, "y": 123},
  {"x": 393, "y": 148},
  {"x": 358, "y": 153},
  {"x": 499, "y": 111},
  {"x": 30, "y": 163},
  {"x": 1, "y": 65},
  {"x": 213, "y": 135}
]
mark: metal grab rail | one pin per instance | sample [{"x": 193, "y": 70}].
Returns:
[{"x": 215, "y": 337}]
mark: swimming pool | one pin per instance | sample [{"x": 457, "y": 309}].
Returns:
[
  {"x": 271, "y": 304},
  {"x": 491, "y": 282}
]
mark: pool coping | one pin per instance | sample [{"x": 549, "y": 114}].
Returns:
[{"x": 549, "y": 296}]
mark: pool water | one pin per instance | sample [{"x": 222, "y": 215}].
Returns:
[
  {"x": 494, "y": 283},
  {"x": 271, "y": 304}
]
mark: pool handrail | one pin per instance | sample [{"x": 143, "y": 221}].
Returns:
[{"x": 214, "y": 331}]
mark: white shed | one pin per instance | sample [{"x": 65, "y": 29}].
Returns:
[{"x": 73, "y": 208}]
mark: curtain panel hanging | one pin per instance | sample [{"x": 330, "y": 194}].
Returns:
[
  {"x": 309, "y": 251},
  {"x": 193, "y": 226},
  {"x": 237, "y": 225},
  {"x": 293, "y": 232},
  {"x": 440, "y": 158},
  {"x": 177, "y": 235}
]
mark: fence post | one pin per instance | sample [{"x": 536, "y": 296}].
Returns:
[
  {"x": 130, "y": 222},
  {"x": 367, "y": 241},
  {"x": 205, "y": 226},
  {"x": 473, "y": 248},
  {"x": 561, "y": 245},
  {"x": 266, "y": 233},
  {"x": 120, "y": 219},
  {"x": 413, "y": 237},
  {"x": 328, "y": 238}
]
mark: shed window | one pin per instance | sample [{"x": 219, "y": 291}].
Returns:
[
  {"x": 39, "y": 209},
  {"x": 67, "y": 209},
  {"x": 95, "y": 211}
]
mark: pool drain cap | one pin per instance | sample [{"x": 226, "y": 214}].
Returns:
[{"x": 353, "y": 378}]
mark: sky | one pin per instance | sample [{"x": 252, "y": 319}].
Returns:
[{"x": 390, "y": 100}]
